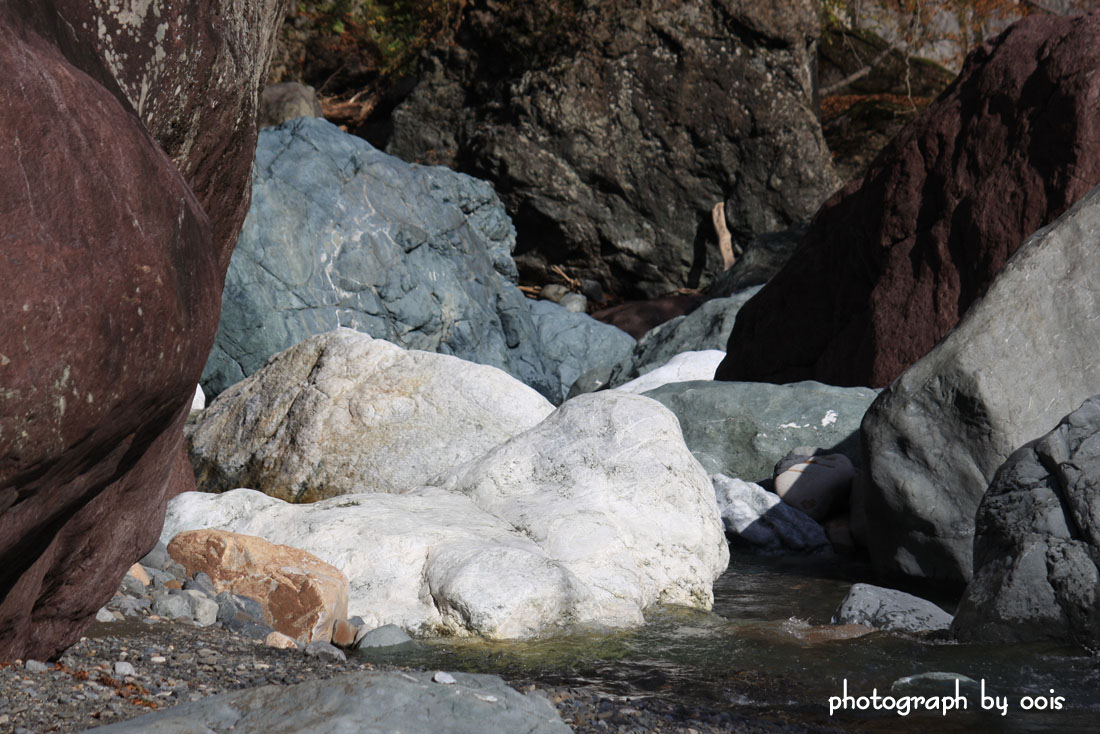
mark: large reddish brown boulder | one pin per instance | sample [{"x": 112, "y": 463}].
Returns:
[
  {"x": 127, "y": 145},
  {"x": 890, "y": 263}
]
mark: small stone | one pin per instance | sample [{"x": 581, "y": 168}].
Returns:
[
  {"x": 553, "y": 292},
  {"x": 444, "y": 678},
  {"x": 574, "y": 302},
  {"x": 202, "y": 582},
  {"x": 172, "y": 606},
  {"x": 176, "y": 570},
  {"x": 173, "y": 584},
  {"x": 234, "y": 606},
  {"x": 156, "y": 558},
  {"x": 158, "y": 659},
  {"x": 344, "y": 633},
  {"x": 279, "y": 640},
  {"x": 133, "y": 607},
  {"x": 132, "y": 586},
  {"x": 248, "y": 630},
  {"x": 484, "y": 696},
  {"x": 35, "y": 666},
  {"x": 104, "y": 615},
  {"x": 325, "y": 650},
  {"x": 203, "y": 609},
  {"x": 139, "y": 573},
  {"x": 388, "y": 635},
  {"x": 124, "y": 668}
]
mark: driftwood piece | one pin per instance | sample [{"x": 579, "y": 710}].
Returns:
[{"x": 725, "y": 241}]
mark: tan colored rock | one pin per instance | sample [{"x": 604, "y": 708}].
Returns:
[
  {"x": 817, "y": 484},
  {"x": 279, "y": 640},
  {"x": 138, "y": 572},
  {"x": 344, "y": 633},
  {"x": 301, "y": 595}
]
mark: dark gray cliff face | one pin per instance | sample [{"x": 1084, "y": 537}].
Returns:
[{"x": 611, "y": 128}]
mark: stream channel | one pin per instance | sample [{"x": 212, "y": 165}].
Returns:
[{"x": 764, "y": 653}]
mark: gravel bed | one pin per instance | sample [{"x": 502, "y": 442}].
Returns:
[{"x": 172, "y": 662}]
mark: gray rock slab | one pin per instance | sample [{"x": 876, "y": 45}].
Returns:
[
  {"x": 369, "y": 702},
  {"x": 576, "y": 343},
  {"x": 1025, "y": 355},
  {"x": 341, "y": 234},
  {"x": 890, "y": 609},
  {"x": 1037, "y": 543},
  {"x": 388, "y": 635},
  {"x": 741, "y": 429}
]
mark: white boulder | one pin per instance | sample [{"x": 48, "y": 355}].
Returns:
[
  {"x": 427, "y": 561},
  {"x": 587, "y": 518},
  {"x": 607, "y": 487},
  {"x": 341, "y": 413}
]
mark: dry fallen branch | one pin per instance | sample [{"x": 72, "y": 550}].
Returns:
[
  {"x": 571, "y": 283},
  {"x": 725, "y": 241}
]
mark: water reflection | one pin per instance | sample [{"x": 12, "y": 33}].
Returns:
[{"x": 767, "y": 651}]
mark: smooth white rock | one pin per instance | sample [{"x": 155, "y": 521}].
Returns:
[
  {"x": 587, "y": 518},
  {"x": 342, "y": 413},
  {"x": 428, "y": 561},
  {"x": 607, "y": 487},
  {"x": 204, "y": 610},
  {"x": 684, "y": 367}
]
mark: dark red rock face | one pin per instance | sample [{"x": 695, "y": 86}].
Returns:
[
  {"x": 891, "y": 263},
  {"x": 112, "y": 274},
  {"x": 190, "y": 71}
]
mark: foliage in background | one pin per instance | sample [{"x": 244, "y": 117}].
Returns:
[{"x": 391, "y": 32}]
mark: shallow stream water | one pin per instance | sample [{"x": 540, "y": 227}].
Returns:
[{"x": 765, "y": 652}]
